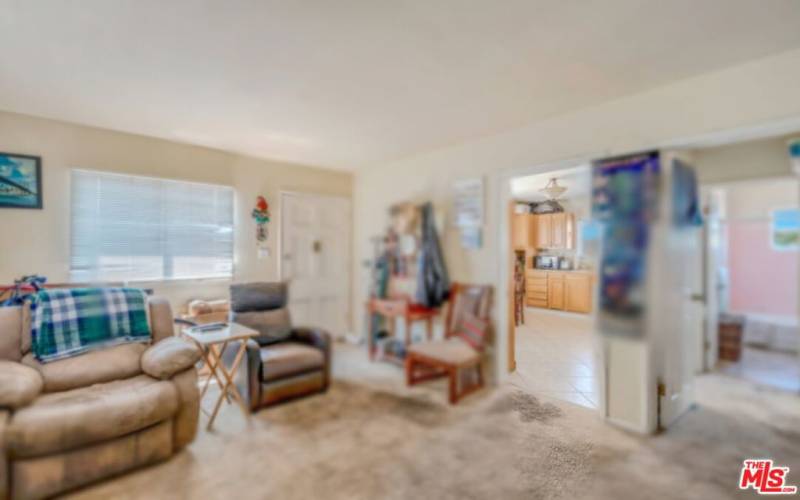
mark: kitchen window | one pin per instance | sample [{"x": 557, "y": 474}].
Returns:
[{"x": 130, "y": 228}]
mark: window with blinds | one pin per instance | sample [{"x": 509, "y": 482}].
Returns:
[{"x": 129, "y": 228}]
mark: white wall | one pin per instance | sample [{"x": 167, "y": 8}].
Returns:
[
  {"x": 38, "y": 241},
  {"x": 756, "y": 93},
  {"x": 746, "y": 160},
  {"x": 761, "y": 279}
]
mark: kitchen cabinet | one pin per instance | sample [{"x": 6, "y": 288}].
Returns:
[
  {"x": 543, "y": 230},
  {"x": 555, "y": 291},
  {"x": 523, "y": 231},
  {"x": 558, "y": 230},
  {"x": 559, "y": 290},
  {"x": 578, "y": 292},
  {"x": 554, "y": 231},
  {"x": 569, "y": 231},
  {"x": 536, "y": 288}
]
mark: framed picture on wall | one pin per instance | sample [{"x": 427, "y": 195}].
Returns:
[
  {"x": 20, "y": 181},
  {"x": 785, "y": 229}
]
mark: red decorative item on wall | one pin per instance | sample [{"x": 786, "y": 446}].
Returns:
[{"x": 261, "y": 215}]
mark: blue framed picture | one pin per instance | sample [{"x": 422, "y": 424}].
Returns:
[
  {"x": 785, "y": 229},
  {"x": 20, "y": 181}
]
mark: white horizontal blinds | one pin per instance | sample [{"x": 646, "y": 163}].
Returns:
[{"x": 128, "y": 228}]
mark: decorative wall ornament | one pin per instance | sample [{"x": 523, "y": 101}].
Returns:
[{"x": 261, "y": 216}]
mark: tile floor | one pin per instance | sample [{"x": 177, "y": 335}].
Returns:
[
  {"x": 556, "y": 358},
  {"x": 772, "y": 368}
]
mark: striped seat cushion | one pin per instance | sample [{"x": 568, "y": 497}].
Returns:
[{"x": 473, "y": 331}]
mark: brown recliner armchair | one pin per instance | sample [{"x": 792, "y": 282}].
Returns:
[
  {"x": 74, "y": 421},
  {"x": 282, "y": 362}
]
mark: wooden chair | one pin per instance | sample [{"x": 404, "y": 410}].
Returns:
[{"x": 466, "y": 330}]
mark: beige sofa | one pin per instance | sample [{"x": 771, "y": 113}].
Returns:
[{"x": 74, "y": 421}]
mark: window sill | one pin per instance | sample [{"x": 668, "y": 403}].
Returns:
[{"x": 180, "y": 281}]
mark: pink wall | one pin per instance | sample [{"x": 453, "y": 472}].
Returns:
[{"x": 762, "y": 280}]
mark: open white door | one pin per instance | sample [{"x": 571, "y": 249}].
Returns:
[
  {"x": 315, "y": 259},
  {"x": 681, "y": 310},
  {"x": 712, "y": 235}
]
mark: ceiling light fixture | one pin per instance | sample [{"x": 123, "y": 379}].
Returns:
[{"x": 553, "y": 190}]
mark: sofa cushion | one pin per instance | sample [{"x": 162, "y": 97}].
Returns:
[
  {"x": 168, "y": 357},
  {"x": 19, "y": 384},
  {"x": 258, "y": 296},
  {"x": 273, "y": 326},
  {"x": 113, "y": 363},
  {"x": 454, "y": 351},
  {"x": 62, "y": 421},
  {"x": 289, "y": 358},
  {"x": 51, "y": 475},
  {"x": 11, "y": 333}
]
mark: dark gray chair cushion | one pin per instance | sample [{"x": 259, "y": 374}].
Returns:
[
  {"x": 273, "y": 326},
  {"x": 258, "y": 296}
]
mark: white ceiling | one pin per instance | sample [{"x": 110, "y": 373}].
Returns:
[
  {"x": 578, "y": 182},
  {"x": 351, "y": 83}
]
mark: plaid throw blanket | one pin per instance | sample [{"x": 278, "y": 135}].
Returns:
[{"x": 67, "y": 322}]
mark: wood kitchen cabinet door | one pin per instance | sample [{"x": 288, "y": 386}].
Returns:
[
  {"x": 555, "y": 291},
  {"x": 578, "y": 293},
  {"x": 558, "y": 230},
  {"x": 569, "y": 231},
  {"x": 520, "y": 230},
  {"x": 544, "y": 229}
]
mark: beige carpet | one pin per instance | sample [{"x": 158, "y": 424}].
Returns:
[{"x": 359, "y": 441}]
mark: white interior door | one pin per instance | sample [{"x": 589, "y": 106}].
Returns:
[
  {"x": 680, "y": 303},
  {"x": 713, "y": 247},
  {"x": 695, "y": 315},
  {"x": 315, "y": 260}
]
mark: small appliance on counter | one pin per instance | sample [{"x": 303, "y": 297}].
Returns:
[
  {"x": 545, "y": 262},
  {"x": 565, "y": 264}
]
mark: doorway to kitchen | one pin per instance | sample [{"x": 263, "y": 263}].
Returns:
[{"x": 554, "y": 250}]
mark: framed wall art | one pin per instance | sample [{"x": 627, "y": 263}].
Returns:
[{"x": 20, "y": 181}]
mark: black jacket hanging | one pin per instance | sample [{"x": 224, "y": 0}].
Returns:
[{"x": 433, "y": 283}]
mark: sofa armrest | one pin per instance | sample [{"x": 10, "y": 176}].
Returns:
[
  {"x": 320, "y": 339},
  {"x": 253, "y": 373},
  {"x": 19, "y": 384},
  {"x": 312, "y": 336},
  {"x": 172, "y": 355},
  {"x": 161, "y": 318}
]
